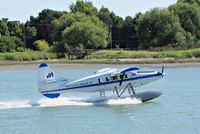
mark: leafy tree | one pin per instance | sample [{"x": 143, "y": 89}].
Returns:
[
  {"x": 43, "y": 23},
  {"x": 116, "y": 20},
  {"x": 105, "y": 16},
  {"x": 15, "y": 29},
  {"x": 78, "y": 30},
  {"x": 29, "y": 34},
  {"x": 85, "y": 7},
  {"x": 8, "y": 44},
  {"x": 3, "y": 29},
  {"x": 158, "y": 28},
  {"x": 193, "y": 2},
  {"x": 127, "y": 33},
  {"x": 86, "y": 35},
  {"x": 117, "y": 23},
  {"x": 5, "y": 20},
  {"x": 189, "y": 17}
]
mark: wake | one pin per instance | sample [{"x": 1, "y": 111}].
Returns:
[{"x": 67, "y": 101}]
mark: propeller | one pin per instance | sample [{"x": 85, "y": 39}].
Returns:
[{"x": 163, "y": 70}]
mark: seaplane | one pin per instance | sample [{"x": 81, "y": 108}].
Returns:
[{"x": 103, "y": 80}]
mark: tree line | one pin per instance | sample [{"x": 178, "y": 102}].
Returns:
[{"x": 86, "y": 27}]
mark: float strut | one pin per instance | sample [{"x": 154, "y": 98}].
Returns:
[
  {"x": 117, "y": 92},
  {"x": 132, "y": 88},
  {"x": 128, "y": 86}
]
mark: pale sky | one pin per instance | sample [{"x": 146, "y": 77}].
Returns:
[{"x": 21, "y": 10}]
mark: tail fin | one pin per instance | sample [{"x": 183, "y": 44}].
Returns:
[{"x": 48, "y": 82}]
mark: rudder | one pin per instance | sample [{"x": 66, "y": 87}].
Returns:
[{"x": 48, "y": 83}]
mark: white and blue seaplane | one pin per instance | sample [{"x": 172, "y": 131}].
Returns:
[{"x": 107, "y": 79}]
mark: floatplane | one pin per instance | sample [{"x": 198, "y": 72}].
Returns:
[{"x": 103, "y": 80}]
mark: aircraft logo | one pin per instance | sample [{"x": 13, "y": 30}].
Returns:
[{"x": 50, "y": 75}]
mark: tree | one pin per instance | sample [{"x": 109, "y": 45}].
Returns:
[
  {"x": 127, "y": 33},
  {"x": 78, "y": 30},
  {"x": 158, "y": 28},
  {"x": 104, "y": 15},
  {"x": 191, "y": 2},
  {"x": 116, "y": 20},
  {"x": 8, "y": 44},
  {"x": 85, "y": 35},
  {"x": 29, "y": 32},
  {"x": 3, "y": 29},
  {"x": 43, "y": 24},
  {"x": 189, "y": 17},
  {"x": 15, "y": 29},
  {"x": 83, "y": 7},
  {"x": 5, "y": 20},
  {"x": 117, "y": 23}
]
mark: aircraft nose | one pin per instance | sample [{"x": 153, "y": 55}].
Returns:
[{"x": 160, "y": 74}]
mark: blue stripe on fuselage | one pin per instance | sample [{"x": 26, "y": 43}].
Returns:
[{"x": 104, "y": 83}]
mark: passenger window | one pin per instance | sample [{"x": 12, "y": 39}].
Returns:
[
  {"x": 114, "y": 78},
  {"x": 107, "y": 79}
]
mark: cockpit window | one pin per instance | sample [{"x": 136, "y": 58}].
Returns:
[{"x": 116, "y": 77}]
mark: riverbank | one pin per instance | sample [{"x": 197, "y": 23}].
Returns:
[
  {"x": 90, "y": 64},
  {"x": 107, "y": 56},
  {"x": 108, "y": 61}
]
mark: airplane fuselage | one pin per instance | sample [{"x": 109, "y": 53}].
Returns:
[{"x": 96, "y": 83}]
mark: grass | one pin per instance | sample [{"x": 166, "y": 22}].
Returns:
[
  {"x": 105, "y": 57},
  {"x": 117, "y": 54},
  {"x": 27, "y": 56}
]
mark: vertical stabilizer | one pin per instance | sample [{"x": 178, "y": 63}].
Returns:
[{"x": 48, "y": 83}]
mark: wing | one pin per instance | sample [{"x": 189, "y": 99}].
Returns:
[
  {"x": 128, "y": 69},
  {"x": 105, "y": 70}
]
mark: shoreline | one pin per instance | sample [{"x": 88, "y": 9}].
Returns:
[
  {"x": 109, "y": 61},
  {"x": 62, "y": 64}
]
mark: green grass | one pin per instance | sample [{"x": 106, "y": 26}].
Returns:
[
  {"x": 103, "y": 54},
  {"x": 112, "y": 54},
  {"x": 27, "y": 56}
]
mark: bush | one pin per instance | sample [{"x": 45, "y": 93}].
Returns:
[
  {"x": 41, "y": 45},
  {"x": 28, "y": 56},
  {"x": 7, "y": 44},
  {"x": 20, "y": 49},
  {"x": 110, "y": 54}
]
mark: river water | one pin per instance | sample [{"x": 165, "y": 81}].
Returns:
[{"x": 23, "y": 110}]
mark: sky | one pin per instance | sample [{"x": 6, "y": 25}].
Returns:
[{"x": 21, "y": 10}]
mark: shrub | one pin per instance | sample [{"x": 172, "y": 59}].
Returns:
[
  {"x": 7, "y": 44},
  {"x": 20, "y": 49},
  {"x": 41, "y": 45}
]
